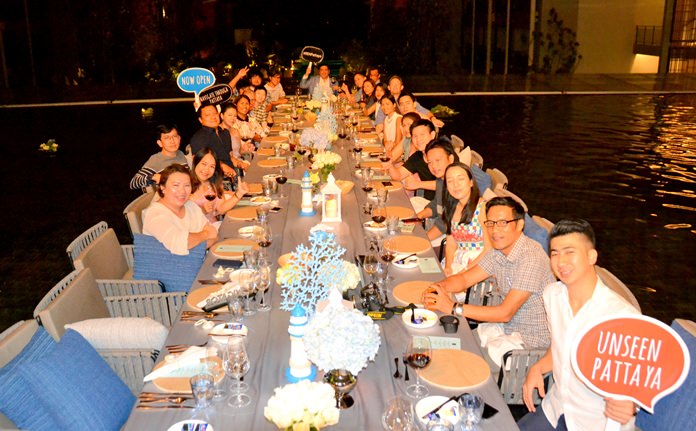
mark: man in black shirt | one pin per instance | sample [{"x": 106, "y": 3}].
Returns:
[
  {"x": 211, "y": 135},
  {"x": 415, "y": 172}
]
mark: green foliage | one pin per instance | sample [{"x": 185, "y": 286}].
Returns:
[{"x": 558, "y": 46}]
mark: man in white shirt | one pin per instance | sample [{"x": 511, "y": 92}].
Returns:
[
  {"x": 572, "y": 304},
  {"x": 323, "y": 81}
]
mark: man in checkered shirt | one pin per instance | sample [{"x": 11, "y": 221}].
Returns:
[{"x": 521, "y": 269}]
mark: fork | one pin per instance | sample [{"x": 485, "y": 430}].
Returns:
[{"x": 405, "y": 368}]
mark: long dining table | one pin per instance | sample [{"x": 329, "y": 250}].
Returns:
[{"x": 268, "y": 342}]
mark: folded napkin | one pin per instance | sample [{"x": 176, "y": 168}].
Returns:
[
  {"x": 189, "y": 358},
  {"x": 494, "y": 339},
  {"x": 231, "y": 285}
]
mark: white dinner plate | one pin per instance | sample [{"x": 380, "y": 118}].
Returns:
[
  {"x": 220, "y": 333},
  {"x": 424, "y": 318},
  {"x": 247, "y": 231},
  {"x": 371, "y": 226},
  {"x": 260, "y": 200},
  {"x": 179, "y": 426},
  {"x": 449, "y": 411},
  {"x": 410, "y": 263}
]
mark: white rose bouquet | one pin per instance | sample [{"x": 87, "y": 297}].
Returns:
[{"x": 302, "y": 406}]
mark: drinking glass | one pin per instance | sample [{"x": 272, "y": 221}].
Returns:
[
  {"x": 236, "y": 365},
  {"x": 392, "y": 225},
  {"x": 251, "y": 256},
  {"x": 418, "y": 355},
  {"x": 249, "y": 293},
  {"x": 399, "y": 415},
  {"x": 281, "y": 179},
  {"x": 235, "y": 305},
  {"x": 370, "y": 264},
  {"x": 262, "y": 281},
  {"x": 382, "y": 194},
  {"x": 213, "y": 366},
  {"x": 202, "y": 389},
  {"x": 439, "y": 424},
  {"x": 387, "y": 250},
  {"x": 366, "y": 174},
  {"x": 471, "y": 408},
  {"x": 379, "y": 213}
]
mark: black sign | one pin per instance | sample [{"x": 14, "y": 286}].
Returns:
[
  {"x": 215, "y": 95},
  {"x": 312, "y": 54}
]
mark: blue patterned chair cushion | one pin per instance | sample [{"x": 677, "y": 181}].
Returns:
[
  {"x": 154, "y": 262},
  {"x": 676, "y": 410},
  {"x": 483, "y": 180},
  {"x": 536, "y": 232},
  {"x": 79, "y": 389},
  {"x": 17, "y": 401}
]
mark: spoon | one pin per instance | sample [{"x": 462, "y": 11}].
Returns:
[
  {"x": 403, "y": 260},
  {"x": 397, "y": 374}
]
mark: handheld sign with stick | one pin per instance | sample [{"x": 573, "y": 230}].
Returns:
[
  {"x": 194, "y": 80},
  {"x": 215, "y": 95},
  {"x": 312, "y": 54},
  {"x": 631, "y": 357}
]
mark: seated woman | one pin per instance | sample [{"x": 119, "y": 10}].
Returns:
[
  {"x": 464, "y": 214},
  {"x": 368, "y": 98},
  {"x": 392, "y": 123},
  {"x": 207, "y": 186},
  {"x": 249, "y": 129},
  {"x": 228, "y": 120},
  {"x": 403, "y": 150},
  {"x": 174, "y": 220}
]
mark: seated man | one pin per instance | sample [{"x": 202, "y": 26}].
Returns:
[
  {"x": 211, "y": 135},
  {"x": 422, "y": 132},
  {"x": 438, "y": 154},
  {"x": 521, "y": 269},
  {"x": 168, "y": 140},
  {"x": 572, "y": 304},
  {"x": 324, "y": 82}
]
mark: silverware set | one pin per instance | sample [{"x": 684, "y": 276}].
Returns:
[
  {"x": 197, "y": 315},
  {"x": 179, "y": 348},
  {"x": 156, "y": 400}
]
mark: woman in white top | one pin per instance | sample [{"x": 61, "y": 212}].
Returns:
[
  {"x": 178, "y": 223},
  {"x": 392, "y": 123}
]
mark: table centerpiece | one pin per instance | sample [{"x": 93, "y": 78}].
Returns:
[{"x": 303, "y": 406}]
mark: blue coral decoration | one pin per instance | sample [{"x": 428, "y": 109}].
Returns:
[{"x": 317, "y": 269}]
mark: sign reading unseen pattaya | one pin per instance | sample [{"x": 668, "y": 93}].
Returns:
[{"x": 631, "y": 357}]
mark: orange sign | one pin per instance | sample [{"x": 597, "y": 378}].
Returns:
[{"x": 631, "y": 357}]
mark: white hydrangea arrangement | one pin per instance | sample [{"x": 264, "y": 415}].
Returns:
[
  {"x": 304, "y": 405},
  {"x": 338, "y": 338},
  {"x": 326, "y": 159}
]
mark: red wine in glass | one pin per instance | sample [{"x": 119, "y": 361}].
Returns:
[
  {"x": 342, "y": 135},
  {"x": 210, "y": 197},
  {"x": 367, "y": 188},
  {"x": 418, "y": 360},
  {"x": 378, "y": 218},
  {"x": 387, "y": 255},
  {"x": 302, "y": 151},
  {"x": 384, "y": 158},
  {"x": 281, "y": 179}
]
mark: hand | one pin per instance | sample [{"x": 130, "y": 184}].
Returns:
[
  {"x": 437, "y": 123},
  {"x": 227, "y": 171},
  {"x": 410, "y": 183},
  {"x": 345, "y": 88},
  {"x": 534, "y": 380},
  {"x": 208, "y": 207},
  {"x": 242, "y": 72},
  {"x": 156, "y": 178},
  {"x": 620, "y": 411},
  {"x": 248, "y": 147},
  {"x": 309, "y": 69},
  {"x": 242, "y": 189},
  {"x": 437, "y": 298},
  {"x": 448, "y": 271}
]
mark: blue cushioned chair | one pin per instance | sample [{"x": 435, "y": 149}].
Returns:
[
  {"x": 154, "y": 262},
  {"x": 676, "y": 410}
]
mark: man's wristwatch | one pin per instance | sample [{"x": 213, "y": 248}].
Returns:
[{"x": 457, "y": 309}]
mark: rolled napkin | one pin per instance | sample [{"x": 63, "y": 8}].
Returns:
[
  {"x": 229, "y": 287},
  {"x": 190, "y": 357},
  {"x": 494, "y": 339}
]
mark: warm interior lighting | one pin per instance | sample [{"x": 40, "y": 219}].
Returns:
[{"x": 645, "y": 63}]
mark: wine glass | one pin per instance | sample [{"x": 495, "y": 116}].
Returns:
[
  {"x": 370, "y": 264},
  {"x": 213, "y": 365},
  {"x": 262, "y": 281},
  {"x": 387, "y": 252},
  {"x": 236, "y": 365},
  {"x": 471, "y": 408},
  {"x": 379, "y": 214},
  {"x": 398, "y": 416},
  {"x": 418, "y": 355},
  {"x": 265, "y": 236},
  {"x": 367, "y": 185},
  {"x": 248, "y": 289},
  {"x": 281, "y": 179}
]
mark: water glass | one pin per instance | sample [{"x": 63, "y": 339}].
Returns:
[
  {"x": 382, "y": 194},
  {"x": 213, "y": 365},
  {"x": 392, "y": 225},
  {"x": 235, "y": 305},
  {"x": 267, "y": 188},
  {"x": 471, "y": 408},
  {"x": 398, "y": 415},
  {"x": 439, "y": 424},
  {"x": 290, "y": 161},
  {"x": 251, "y": 256},
  {"x": 202, "y": 386},
  {"x": 262, "y": 213}
]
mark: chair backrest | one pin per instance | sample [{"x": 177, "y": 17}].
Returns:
[
  {"x": 80, "y": 300},
  {"x": 153, "y": 261},
  {"x": 104, "y": 257},
  {"x": 134, "y": 212},
  {"x": 617, "y": 286},
  {"x": 483, "y": 293},
  {"x": 476, "y": 159},
  {"x": 457, "y": 142},
  {"x": 498, "y": 178},
  {"x": 55, "y": 291},
  {"x": 513, "y": 372},
  {"x": 85, "y": 239},
  {"x": 505, "y": 193},
  {"x": 544, "y": 223}
]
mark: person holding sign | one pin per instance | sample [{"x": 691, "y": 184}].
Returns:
[
  {"x": 572, "y": 304},
  {"x": 328, "y": 86},
  {"x": 211, "y": 135}
]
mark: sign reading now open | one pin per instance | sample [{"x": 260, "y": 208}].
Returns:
[{"x": 631, "y": 357}]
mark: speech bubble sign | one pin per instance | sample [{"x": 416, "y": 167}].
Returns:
[
  {"x": 312, "y": 54},
  {"x": 195, "y": 79},
  {"x": 631, "y": 357},
  {"x": 215, "y": 95}
]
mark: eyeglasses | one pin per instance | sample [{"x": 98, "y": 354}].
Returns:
[{"x": 500, "y": 223}]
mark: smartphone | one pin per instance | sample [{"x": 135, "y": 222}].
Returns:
[
  {"x": 387, "y": 183},
  {"x": 489, "y": 411},
  {"x": 275, "y": 209},
  {"x": 228, "y": 263}
]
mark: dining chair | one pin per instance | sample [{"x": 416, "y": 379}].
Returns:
[
  {"x": 476, "y": 159},
  {"x": 617, "y": 286},
  {"x": 498, "y": 179},
  {"x": 84, "y": 239},
  {"x": 504, "y": 192},
  {"x": 457, "y": 142},
  {"x": 134, "y": 212},
  {"x": 546, "y": 224}
]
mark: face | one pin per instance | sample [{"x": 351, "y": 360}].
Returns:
[
  {"x": 324, "y": 72},
  {"x": 406, "y": 105},
  {"x": 459, "y": 184},
  {"x": 379, "y": 92},
  {"x": 406, "y": 127},
  {"x": 572, "y": 257},
  {"x": 205, "y": 168},
  {"x": 395, "y": 86},
  {"x": 229, "y": 117},
  {"x": 387, "y": 106},
  {"x": 177, "y": 189},
  {"x": 368, "y": 88},
  {"x": 209, "y": 116},
  {"x": 169, "y": 142},
  {"x": 420, "y": 137},
  {"x": 255, "y": 80},
  {"x": 359, "y": 80},
  {"x": 243, "y": 106},
  {"x": 438, "y": 160},
  {"x": 374, "y": 75},
  {"x": 503, "y": 238},
  {"x": 260, "y": 96},
  {"x": 275, "y": 79}
]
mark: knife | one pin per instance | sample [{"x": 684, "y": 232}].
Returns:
[
  {"x": 436, "y": 409},
  {"x": 175, "y": 406}
]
